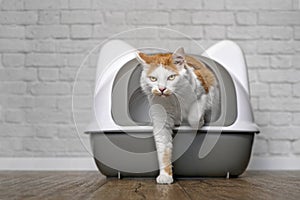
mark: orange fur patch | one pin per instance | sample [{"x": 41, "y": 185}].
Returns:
[
  {"x": 154, "y": 61},
  {"x": 204, "y": 75},
  {"x": 167, "y": 162}
]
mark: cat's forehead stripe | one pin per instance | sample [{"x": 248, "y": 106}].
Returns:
[
  {"x": 161, "y": 58},
  {"x": 153, "y": 67},
  {"x": 155, "y": 61}
]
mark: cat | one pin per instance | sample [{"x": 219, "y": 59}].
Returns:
[{"x": 179, "y": 87}]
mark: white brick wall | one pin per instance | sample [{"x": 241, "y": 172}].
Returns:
[{"x": 42, "y": 43}]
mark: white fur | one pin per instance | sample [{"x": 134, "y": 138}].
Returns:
[
  {"x": 164, "y": 179},
  {"x": 188, "y": 101}
]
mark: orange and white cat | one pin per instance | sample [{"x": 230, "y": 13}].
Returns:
[{"x": 178, "y": 87}]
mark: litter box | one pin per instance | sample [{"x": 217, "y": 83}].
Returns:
[{"x": 121, "y": 130}]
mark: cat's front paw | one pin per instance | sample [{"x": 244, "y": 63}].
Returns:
[
  {"x": 177, "y": 124},
  {"x": 201, "y": 122},
  {"x": 196, "y": 123},
  {"x": 164, "y": 179}
]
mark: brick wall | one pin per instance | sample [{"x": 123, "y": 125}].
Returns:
[{"x": 42, "y": 43}]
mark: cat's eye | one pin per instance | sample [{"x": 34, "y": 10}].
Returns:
[
  {"x": 152, "y": 78},
  {"x": 171, "y": 77}
]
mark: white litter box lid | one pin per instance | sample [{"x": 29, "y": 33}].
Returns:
[{"x": 115, "y": 54}]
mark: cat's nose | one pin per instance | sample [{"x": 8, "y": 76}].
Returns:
[{"x": 162, "y": 89}]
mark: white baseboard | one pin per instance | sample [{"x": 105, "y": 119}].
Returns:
[
  {"x": 87, "y": 163},
  {"x": 274, "y": 163}
]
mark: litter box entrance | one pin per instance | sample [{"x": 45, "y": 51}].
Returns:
[{"x": 130, "y": 105}]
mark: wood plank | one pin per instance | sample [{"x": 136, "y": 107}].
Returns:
[
  {"x": 252, "y": 185},
  {"x": 139, "y": 189},
  {"x": 92, "y": 185},
  {"x": 49, "y": 185}
]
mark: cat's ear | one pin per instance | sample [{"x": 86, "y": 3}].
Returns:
[
  {"x": 179, "y": 57},
  {"x": 142, "y": 58}
]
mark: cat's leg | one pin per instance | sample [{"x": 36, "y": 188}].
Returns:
[
  {"x": 163, "y": 141},
  {"x": 177, "y": 119},
  {"x": 164, "y": 146},
  {"x": 163, "y": 122},
  {"x": 196, "y": 112},
  {"x": 216, "y": 104},
  {"x": 176, "y": 111}
]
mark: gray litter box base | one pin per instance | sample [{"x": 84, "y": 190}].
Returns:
[{"x": 230, "y": 154}]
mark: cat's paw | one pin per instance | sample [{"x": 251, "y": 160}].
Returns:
[
  {"x": 195, "y": 123},
  {"x": 177, "y": 124},
  {"x": 164, "y": 179},
  {"x": 201, "y": 122}
]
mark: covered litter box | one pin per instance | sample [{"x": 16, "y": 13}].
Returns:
[{"x": 121, "y": 130}]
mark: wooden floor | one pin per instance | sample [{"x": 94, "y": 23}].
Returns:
[{"x": 92, "y": 185}]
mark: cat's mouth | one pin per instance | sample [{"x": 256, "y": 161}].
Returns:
[{"x": 165, "y": 93}]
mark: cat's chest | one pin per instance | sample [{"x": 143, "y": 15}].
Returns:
[{"x": 186, "y": 97}]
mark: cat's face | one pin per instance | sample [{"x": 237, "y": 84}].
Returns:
[
  {"x": 161, "y": 72},
  {"x": 161, "y": 80}
]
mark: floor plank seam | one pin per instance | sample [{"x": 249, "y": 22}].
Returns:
[
  {"x": 138, "y": 192},
  {"x": 184, "y": 191}
]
